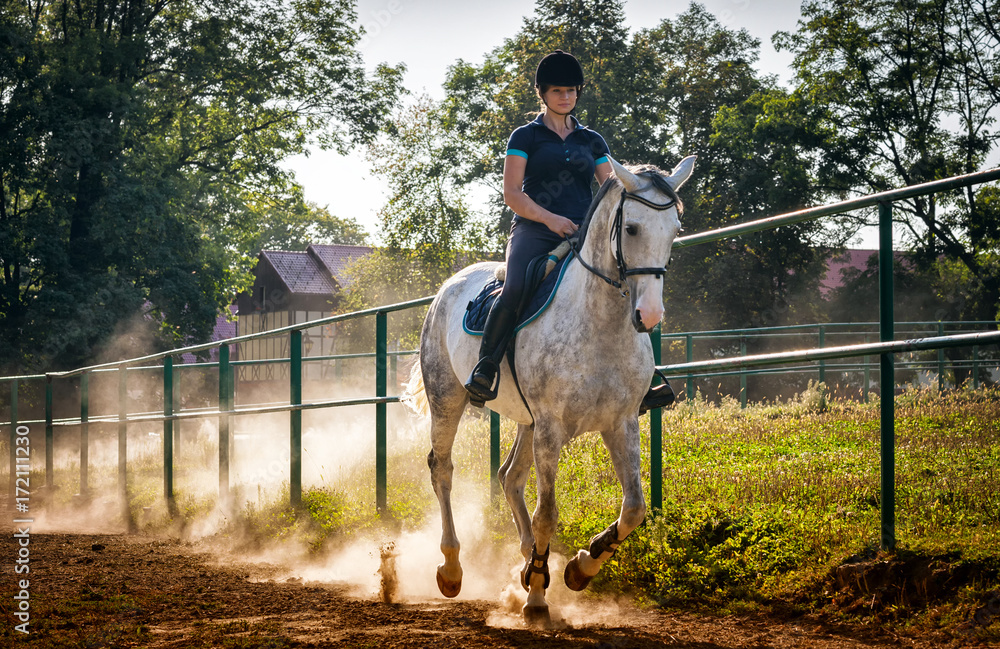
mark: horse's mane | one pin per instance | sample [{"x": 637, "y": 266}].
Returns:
[{"x": 652, "y": 172}]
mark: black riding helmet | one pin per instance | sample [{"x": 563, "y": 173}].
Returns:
[{"x": 559, "y": 69}]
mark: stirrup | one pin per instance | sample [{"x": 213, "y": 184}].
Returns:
[
  {"x": 658, "y": 396},
  {"x": 479, "y": 391}
]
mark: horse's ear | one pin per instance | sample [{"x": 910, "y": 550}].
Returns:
[
  {"x": 682, "y": 172},
  {"x": 629, "y": 179}
]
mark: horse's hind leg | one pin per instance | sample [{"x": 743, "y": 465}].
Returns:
[
  {"x": 623, "y": 446},
  {"x": 513, "y": 476},
  {"x": 447, "y": 399}
]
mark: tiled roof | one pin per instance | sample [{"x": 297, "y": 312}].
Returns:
[
  {"x": 299, "y": 272},
  {"x": 337, "y": 257}
]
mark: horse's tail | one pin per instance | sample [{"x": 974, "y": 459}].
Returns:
[{"x": 414, "y": 395}]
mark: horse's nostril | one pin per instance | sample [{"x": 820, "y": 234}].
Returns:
[{"x": 637, "y": 322}]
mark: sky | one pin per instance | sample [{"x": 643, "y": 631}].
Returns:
[{"x": 430, "y": 35}]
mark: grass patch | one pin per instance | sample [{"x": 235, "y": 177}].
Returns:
[{"x": 762, "y": 506}]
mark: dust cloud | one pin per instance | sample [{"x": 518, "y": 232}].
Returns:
[{"x": 394, "y": 563}]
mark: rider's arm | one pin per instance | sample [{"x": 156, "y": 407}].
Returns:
[
  {"x": 521, "y": 203},
  {"x": 603, "y": 172}
]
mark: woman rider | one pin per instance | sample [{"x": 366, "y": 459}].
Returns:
[{"x": 547, "y": 183}]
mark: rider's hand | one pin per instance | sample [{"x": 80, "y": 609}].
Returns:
[{"x": 562, "y": 226}]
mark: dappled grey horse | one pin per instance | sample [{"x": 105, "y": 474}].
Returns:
[{"x": 583, "y": 365}]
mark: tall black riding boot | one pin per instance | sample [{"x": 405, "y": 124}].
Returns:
[{"x": 485, "y": 378}]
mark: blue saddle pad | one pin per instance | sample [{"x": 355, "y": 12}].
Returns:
[{"x": 479, "y": 308}]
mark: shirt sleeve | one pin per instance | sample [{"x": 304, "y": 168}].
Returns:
[
  {"x": 599, "y": 148},
  {"x": 519, "y": 143}
]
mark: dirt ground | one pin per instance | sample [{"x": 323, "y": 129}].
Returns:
[{"x": 91, "y": 590}]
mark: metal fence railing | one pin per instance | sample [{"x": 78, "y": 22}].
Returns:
[
  {"x": 163, "y": 364},
  {"x": 859, "y": 373}
]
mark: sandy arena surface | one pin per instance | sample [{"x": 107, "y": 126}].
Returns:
[{"x": 90, "y": 590}]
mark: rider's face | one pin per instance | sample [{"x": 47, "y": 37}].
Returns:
[{"x": 560, "y": 99}]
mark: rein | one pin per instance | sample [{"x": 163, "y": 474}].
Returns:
[{"x": 624, "y": 272}]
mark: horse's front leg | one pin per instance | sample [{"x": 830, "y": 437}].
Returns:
[
  {"x": 535, "y": 575},
  {"x": 623, "y": 446},
  {"x": 513, "y": 476}
]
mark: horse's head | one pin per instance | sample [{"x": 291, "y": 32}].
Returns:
[{"x": 643, "y": 223}]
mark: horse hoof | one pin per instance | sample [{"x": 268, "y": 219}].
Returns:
[
  {"x": 574, "y": 577},
  {"x": 536, "y": 616},
  {"x": 448, "y": 587}
]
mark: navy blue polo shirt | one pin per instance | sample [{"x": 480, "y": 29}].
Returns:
[{"x": 558, "y": 173}]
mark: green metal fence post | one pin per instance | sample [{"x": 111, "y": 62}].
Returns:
[
  {"x": 123, "y": 437},
  {"x": 295, "y": 421},
  {"x": 84, "y": 431},
  {"x": 168, "y": 432},
  {"x": 381, "y": 334},
  {"x": 225, "y": 405},
  {"x": 494, "y": 455},
  {"x": 656, "y": 432},
  {"x": 887, "y": 380},
  {"x": 689, "y": 355},
  {"x": 49, "y": 451},
  {"x": 940, "y": 359}
]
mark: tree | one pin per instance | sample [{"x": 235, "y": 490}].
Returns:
[
  {"x": 295, "y": 225},
  {"x": 747, "y": 135},
  {"x": 686, "y": 86},
  {"x": 907, "y": 96},
  {"x": 427, "y": 210},
  {"x": 484, "y": 104},
  {"x": 388, "y": 276},
  {"x": 137, "y": 139}
]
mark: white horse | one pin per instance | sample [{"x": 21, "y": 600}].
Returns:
[{"x": 583, "y": 365}]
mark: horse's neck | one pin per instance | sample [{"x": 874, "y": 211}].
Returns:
[{"x": 603, "y": 305}]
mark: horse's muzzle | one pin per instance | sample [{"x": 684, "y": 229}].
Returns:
[
  {"x": 647, "y": 304},
  {"x": 638, "y": 324}
]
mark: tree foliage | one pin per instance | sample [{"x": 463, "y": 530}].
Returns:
[
  {"x": 138, "y": 139},
  {"x": 427, "y": 209},
  {"x": 295, "y": 224},
  {"x": 908, "y": 92},
  {"x": 685, "y": 86}
]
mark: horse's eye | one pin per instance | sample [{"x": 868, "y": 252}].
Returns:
[{"x": 631, "y": 230}]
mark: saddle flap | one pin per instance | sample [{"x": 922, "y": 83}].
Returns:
[{"x": 479, "y": 308}]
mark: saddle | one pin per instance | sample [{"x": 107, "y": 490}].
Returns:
[{"x": 543, "y": 276}]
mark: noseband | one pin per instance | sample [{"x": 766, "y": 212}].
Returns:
[{"x": 624, "y": 272}]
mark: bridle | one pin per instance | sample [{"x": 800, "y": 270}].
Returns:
[{"x": 624, "y": 272}]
